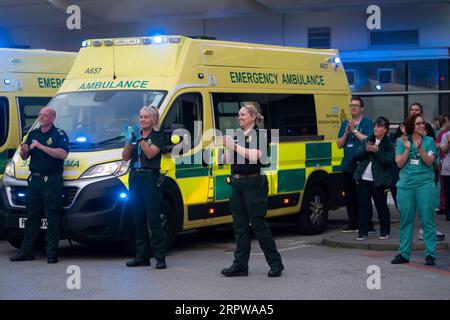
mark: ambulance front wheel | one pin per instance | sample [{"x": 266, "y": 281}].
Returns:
[{"x": 313, "y": 216}]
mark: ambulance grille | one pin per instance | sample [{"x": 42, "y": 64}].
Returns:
[{"x": 19, "y": 196}]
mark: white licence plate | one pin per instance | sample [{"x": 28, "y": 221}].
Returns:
[{"x": 23, "y": 220}]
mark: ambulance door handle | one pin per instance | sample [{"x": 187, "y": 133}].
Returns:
[{"x": 204, "y": 163}]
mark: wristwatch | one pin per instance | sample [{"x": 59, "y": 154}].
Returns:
[{"x": 355, "y": 131}]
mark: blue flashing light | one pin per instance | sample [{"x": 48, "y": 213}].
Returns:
[
  {"x": 336, "y": 60},
  {"x": 378, "y": 87},
  {"x": 158, "y": 40},
  {"x": 84, "y": 44},
  {"x": 21, "y": 195},
  {"x": 7, "y": 81},
  {"x": 123, "y": 195},
  {"x": 81, "y": 139}
]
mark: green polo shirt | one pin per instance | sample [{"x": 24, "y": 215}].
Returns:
[
  {"x": 138, "y": 158},
  {"x": 415, "y": 173},
  {"x": 41, "y": 161}
]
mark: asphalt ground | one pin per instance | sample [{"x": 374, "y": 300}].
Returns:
[{"x": 313, "y": 271}]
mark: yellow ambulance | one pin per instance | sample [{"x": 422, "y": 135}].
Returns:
[
  {"x": 28, "y": 81},
  {"x": 198, "y": 86}
]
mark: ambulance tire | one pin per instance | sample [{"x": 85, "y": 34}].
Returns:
[{"x": 313, "y": 216}]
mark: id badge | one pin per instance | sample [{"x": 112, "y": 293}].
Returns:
[
  {"x": 350, "y": 145},
  {"x": 415, "y": 162},
  {"x": 136, "y": 165}
]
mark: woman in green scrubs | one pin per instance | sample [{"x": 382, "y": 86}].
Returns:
[{"x": 415, "y": 154}]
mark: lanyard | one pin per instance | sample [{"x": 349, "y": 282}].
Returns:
[{"x": 139, "y": 153}]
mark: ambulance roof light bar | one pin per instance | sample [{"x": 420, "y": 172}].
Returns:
[{"x": 131, "y": 41}]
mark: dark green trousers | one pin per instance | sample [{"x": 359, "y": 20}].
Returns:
[
  {"x": 145, "y": 203},
  {"x": 248, "y": 205},
  {"x": 44, "y": 195}
]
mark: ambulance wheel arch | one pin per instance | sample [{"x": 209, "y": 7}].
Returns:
[{"x": 313, "y": 215}]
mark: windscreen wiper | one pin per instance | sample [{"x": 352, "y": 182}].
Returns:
[
  {"x": 88, "y": 145},
  {"x": 101, "y": 143}
]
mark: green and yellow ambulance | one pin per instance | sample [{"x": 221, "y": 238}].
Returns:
[
  {"x": 198, "y": 85},
  {"x": 28, "y": 81}
]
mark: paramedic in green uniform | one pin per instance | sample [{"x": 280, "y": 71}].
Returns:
[
  {"x": 144, "y": 149},
  {"x": 47, "y": 146},
  {"x": 248, "y": 201},
  {"x": 415, "y": 154}
]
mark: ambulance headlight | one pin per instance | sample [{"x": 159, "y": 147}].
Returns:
[
  {"x": 10, "y": 169},
  {"x": 116, "y": 168},
  {"x": 158, "y": 40}
]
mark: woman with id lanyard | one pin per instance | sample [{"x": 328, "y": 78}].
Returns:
[
  {"x": 415, "y": 154},
  {"x": 143, "y": 146}
]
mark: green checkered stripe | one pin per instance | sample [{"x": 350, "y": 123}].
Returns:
[
  {"x": 317, "y": 155},
  {"x": 3, "y": 161},
  {"x": 189, "y": 169}
]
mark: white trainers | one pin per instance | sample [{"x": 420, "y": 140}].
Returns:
[
  {"x": 361, "y": 238},
  {"x": 420, "y": 237},
  {"x": 383, "y": 237}
]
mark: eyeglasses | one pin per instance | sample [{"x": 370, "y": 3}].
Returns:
[
  {"x": 354, "y": 105},
  {"x": 420, "y": 123}
]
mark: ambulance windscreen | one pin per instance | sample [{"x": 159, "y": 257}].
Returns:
[{"x": 94, "y": 119}]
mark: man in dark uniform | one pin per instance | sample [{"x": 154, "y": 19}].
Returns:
[
  {"x": 248, "y": 201},
  {"x": 47, "y": 146}
]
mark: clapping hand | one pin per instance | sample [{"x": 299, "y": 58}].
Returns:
[
  {"x": 35, "y": 144},
  {"x": 406, "y": 143},
  {"x": 351, "y": 125},
  {"x": 137, "y": 132},
  {"x": 24, "y": 148},
  {"x": 228, "y": 142},
  {"x": 370, "y": 147},
  {"x": 127, "y": 133}
]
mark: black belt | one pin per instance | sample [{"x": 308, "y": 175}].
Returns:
[
  {"x": 245, "y": 176},
  {"x": 146, "y": 170},
  {"x": 43, "y": 174}
]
